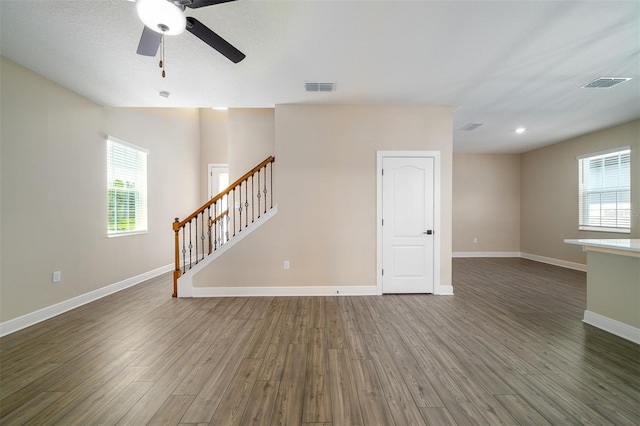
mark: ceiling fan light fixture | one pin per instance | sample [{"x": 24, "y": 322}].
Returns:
[{"x": 161, "y": 16}]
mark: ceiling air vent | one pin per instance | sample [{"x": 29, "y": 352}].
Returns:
[
  {"x": 470, "y": 126},
  {"x": 316, "y": 86},
  {"x": 604, "y": 82}
]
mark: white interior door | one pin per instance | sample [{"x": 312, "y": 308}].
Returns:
[{"x": 408, "y": 224}]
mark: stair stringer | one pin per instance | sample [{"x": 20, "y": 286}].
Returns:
[{"x": 185, "y": 282}]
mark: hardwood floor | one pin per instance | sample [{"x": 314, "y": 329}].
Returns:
[{"x": 508, "y": 348}]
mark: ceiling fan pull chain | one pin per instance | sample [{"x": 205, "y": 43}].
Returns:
[{"x": 162, "y": 56}]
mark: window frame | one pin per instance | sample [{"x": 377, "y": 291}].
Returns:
[
  {"x": 583, "y": 222},
  {"x": 141, "y": 179}
]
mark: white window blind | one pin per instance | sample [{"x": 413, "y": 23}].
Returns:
[
  {"x": 605, "y": 191},
  {"x": 126, "y": 188}
]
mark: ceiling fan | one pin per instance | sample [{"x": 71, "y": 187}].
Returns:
[{"x": 166, "y": 17}]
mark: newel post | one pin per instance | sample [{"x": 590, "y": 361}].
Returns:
[{"x": 177, "y": 272}]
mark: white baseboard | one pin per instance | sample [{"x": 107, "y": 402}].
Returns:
[
  {"x": 486, "y": 254},
  {"x": 444, "y": 290},
  {"x": 185, "y": 282},
  {"x": 612, "y": 326},
  {"x": 24, "y": 321},
  {"x": 362, "y": 290},
  {"x": 365, "y": 290},
  {"x": 535, "y": 257},
  {"x": 555, "y": 262}
]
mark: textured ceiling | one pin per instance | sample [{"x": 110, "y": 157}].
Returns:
[{"x": 501, "y": 63}]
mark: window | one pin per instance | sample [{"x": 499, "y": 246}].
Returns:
[
  {"x": 604, "y": 181},
  {"x": 126, "y": 188}
]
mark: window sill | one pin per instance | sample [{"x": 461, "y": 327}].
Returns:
[
  {"x": 600, "y": 229},
  {"x": 126, "y": 234}
]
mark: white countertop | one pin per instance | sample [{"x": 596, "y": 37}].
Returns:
[{"x": 612, "y": 244}]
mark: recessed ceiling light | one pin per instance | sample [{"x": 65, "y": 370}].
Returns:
[
  {"x": 520, "y": 130},
  {"x": 605, "y": 82},
  {"x": 164, "y": 94}
]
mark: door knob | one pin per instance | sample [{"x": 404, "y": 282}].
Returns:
[{"x": 428, "y": 232}]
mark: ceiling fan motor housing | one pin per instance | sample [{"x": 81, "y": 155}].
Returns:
[{"x": 162, "y": 16}]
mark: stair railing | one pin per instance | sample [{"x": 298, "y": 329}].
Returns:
[{"x": 222, "y": 218}]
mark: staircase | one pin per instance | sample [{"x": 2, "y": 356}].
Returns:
[{"x": 222, "y": 220}]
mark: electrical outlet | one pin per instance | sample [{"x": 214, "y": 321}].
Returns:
[
  {"x": 285, "y": 265},
  {"x": 56, "y": 277},
  {"x": 475, "y": 240}
]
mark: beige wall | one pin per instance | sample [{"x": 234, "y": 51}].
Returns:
[
  {"x": 53, "y": 176},
  {"x": 251, "y": 138},
  {"x": 486, "y": 203},
  {"x": 325, "y": 190},
  {"x": 549, "y": 192},
  {"x": 239, "y": 137},
  {"x": 214, "y": 146}
]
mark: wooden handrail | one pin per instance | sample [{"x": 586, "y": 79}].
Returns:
[
  {"x": 217, "y": 219},
  {"x": 211, "y": 223},
  {"x": 177, "y": 225}
]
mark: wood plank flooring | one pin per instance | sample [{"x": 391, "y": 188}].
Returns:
[{"x": 508, "y": 348}]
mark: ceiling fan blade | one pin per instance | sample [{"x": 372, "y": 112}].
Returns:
[
  {"x": 201, "y": 31},
  {"x": 149, "y": 42},
  {"x": 194, "y": 4}
]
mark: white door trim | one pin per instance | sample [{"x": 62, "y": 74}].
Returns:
[
  {"x": 210, "y": 168},
  {"x": 436, "y": 218}
]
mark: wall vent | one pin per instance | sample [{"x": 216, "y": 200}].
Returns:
[
  {"x": 316, "y": 86},
  {"x": 470, "y": 126},
  {"x": 605, "y": 82}
]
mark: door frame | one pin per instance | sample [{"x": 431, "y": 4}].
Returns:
[
  {"x": 210, "y": 168},
  {"x": 436, "y": 212}
]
